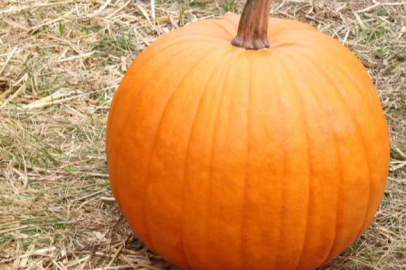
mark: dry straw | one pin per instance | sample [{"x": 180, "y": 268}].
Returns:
[{"x": 60, "y": 63}]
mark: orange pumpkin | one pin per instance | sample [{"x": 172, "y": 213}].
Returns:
[{"x": 226, "y": 154}]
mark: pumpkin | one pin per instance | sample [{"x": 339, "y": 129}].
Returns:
[{"x": 247, "y": 143}]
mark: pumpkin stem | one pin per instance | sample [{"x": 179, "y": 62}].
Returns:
[{"x": 253, "y": 27}]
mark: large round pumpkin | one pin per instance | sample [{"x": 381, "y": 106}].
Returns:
[{"x": 226, "y": 157}]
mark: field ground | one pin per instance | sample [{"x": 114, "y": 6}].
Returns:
[{"x": 60, "y": 64}]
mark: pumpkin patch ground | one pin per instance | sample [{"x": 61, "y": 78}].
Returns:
[{"x": 61, "y": 64}]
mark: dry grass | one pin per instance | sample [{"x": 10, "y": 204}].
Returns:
[{"x": 60, "y": 63}]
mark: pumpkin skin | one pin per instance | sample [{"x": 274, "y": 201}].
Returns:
[{"x": 225, "y": 158}]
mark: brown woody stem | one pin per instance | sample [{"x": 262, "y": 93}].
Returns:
[{"x": 253, "y": 27}]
